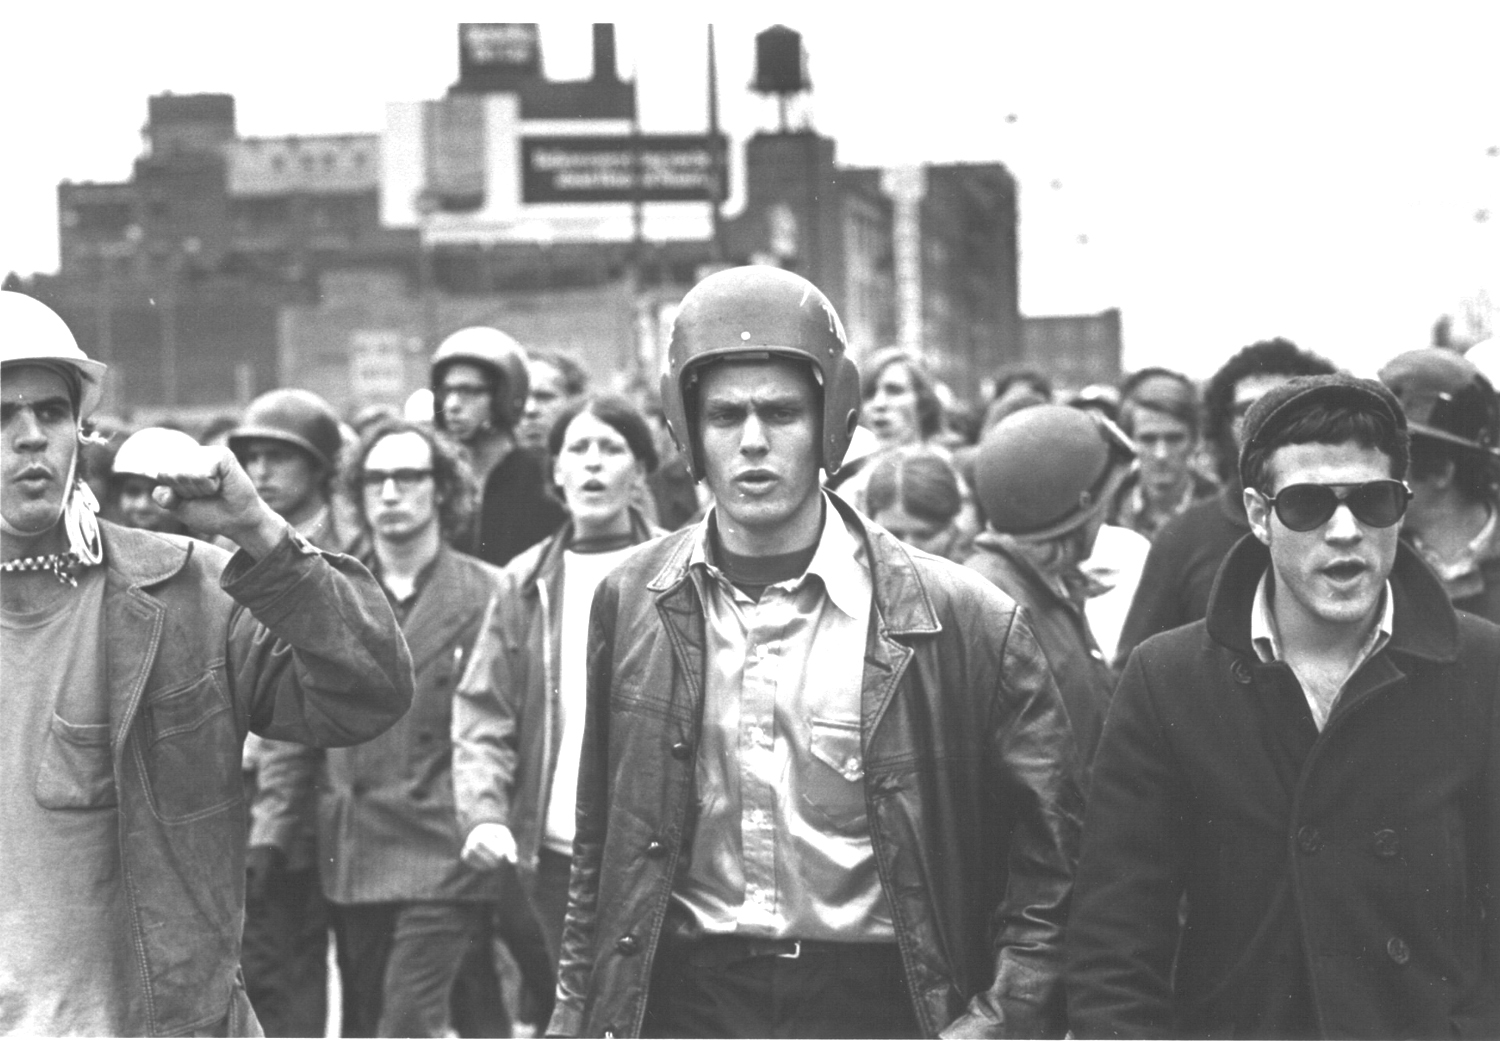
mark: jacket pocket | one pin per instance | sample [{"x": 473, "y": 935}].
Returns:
[
  {"x": 77, "y": 771},
  {"x": 833, "y": 792},
  {"x": 191, "y": 751}
]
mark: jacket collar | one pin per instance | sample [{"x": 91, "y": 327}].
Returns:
[
  {"x": 139, "y": 559},
  {"x": 900, "y": 597},
  {"x": 551, "y": 557},
  {"x": 1425, "y": 624}
]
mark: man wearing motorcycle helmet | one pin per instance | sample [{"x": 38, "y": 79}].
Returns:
[{"x": 814, "y": 751}]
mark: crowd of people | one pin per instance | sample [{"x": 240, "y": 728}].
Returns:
[{"x": 793, "y": 699}]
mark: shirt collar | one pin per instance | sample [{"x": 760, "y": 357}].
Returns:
[
  {"x": 839, "y": 561},
  {"x": 1266, "y": 638},
  {"x": 1468, "y": 560}
]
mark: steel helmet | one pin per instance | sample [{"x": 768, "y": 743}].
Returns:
[
  {"x": 148, "y": 450},
  {"x": 496, "y": 353},
  {"x": 297, "y": 417},
  {"x": 1445, "y": 397},
  {"x": 749, "y": 312},
  {"x": 30, "y": 331},
  {"x": 1045, "y": 470}
]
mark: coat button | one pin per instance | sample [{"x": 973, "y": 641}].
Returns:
[
  {"x": 1308, "y": 839},
  {"x": 1386, "y": 843},
  {"x": 627, "y": 944},
  {"x": 1240, "y": 670},
  {"x": 680, "y": 751},
  {"x": 656, "y": 848},
  {"x": 1397, "y": 949}
]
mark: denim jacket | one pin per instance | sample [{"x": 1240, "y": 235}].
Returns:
[{"x": 199, "y": 648}]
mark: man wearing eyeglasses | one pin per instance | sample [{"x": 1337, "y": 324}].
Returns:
[
  {"x": 1294, "y": 824},
  {"x": 404, "y": 908}
]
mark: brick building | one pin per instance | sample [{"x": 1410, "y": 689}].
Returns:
[{"x": 229, "y": 265}]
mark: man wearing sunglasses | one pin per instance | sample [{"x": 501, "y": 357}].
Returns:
[{"x": 1312, "y": 772}]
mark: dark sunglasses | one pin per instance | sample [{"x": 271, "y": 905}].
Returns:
[
  {"x": 405, "y": 479},
  {"x": 1303, "y": 507}
]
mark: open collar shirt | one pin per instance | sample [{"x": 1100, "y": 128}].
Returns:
[
  {"x": 782, "y": 844},
  {"x": 1266, "y": 639}
]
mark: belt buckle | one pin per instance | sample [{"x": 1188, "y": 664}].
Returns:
[{"x": 795, "y": 952}]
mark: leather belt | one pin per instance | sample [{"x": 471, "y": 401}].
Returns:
[{"x": 729, "y": 950}]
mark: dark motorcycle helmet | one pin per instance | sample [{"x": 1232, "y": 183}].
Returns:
[{"x": 749, "y": 313}]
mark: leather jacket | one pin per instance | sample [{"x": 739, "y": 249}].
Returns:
[
  {"x": 199, "y": 649},
  {"x": 970, "y": 776}
]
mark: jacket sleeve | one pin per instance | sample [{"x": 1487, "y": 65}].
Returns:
[
  {"x": 486, "y": 710},
  {"x": 314, "y": 653},
  {"x": 1034, "y": 758},
  {"x": 1478, "y": 1010},
  {"x": 576, "y": 964},
  {"x": 285, "y": 803},
  {"x": 1124, "y": 929}
]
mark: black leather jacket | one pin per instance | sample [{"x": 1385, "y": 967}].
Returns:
[{"x": 970, "y": 780}]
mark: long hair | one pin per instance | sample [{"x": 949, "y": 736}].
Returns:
[
  {"x": 929, "y": 406},
  {"x": 453, "y": 479}
]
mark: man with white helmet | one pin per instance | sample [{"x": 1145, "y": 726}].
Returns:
[
  {"x": 480, "y": 385},
  {"x": 141, "y": 457},
  {"x": 134, "y": 665}
]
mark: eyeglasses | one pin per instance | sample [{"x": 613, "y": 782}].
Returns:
[
  {"x": 405, "y": 479},
  {"x": 1303, "y": 507}
]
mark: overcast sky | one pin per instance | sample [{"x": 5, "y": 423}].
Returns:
[{"x": 1309, "y": 170}]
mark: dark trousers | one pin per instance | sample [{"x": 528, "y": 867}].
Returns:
[
  {"x": 729, "y": 987},
  {"x": 398, "y": 962},
  {"x": 285, "y": 956}
]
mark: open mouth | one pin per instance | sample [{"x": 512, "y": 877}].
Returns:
[
  {"x": 593, "y": 485},
  {"x": 1345, "y": 570}
]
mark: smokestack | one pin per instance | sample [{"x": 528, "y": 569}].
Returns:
[{"x": 604, "y": 53}]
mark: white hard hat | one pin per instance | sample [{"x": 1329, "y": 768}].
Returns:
[
  {"x": 147, "y": 452},
  {"x": 418, "y": 408},
  {"x": 1485, "y": 356},
  {"x": 30, "y": 331}
]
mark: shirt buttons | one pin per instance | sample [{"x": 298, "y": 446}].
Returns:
[
  {"x": 1396, "y": 948},
  {"x": 1308, "y": 839},
  {"x": 627, "y": 944},
  {"x": 680, "y": 751},
  {"x": 1386, "y": 843}
]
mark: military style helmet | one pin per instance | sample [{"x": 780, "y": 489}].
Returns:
[
  {"x": 30, "y": 331},
  {"x": 146, "y": 451},
  {"x": 297, "y": 417},
  {"x": 1045, "y": 470},
  {"x": 497, "y": 354},
  {"x": 747, "y": 313},
  {"x": 1445, "y": 397}
]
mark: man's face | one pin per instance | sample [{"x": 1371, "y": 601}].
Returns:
[
  {"x": 597, "y": 473},
  {"x": 1334, "y": 574},
  {"x": 544, "y": 403},
  {"x": 1166, "y": 446},
  {"x": 758, "y": 430},
  {"x": 139, "y": 510},
  {"x": 891, "y": 409},
  {"x": 400, "y": 493},
  {"x": 285, "y": 476},
  {"x": 40, "y": 438},
  {"x": 466, "y": 400},
  {"x": 1246, "y": 393}
]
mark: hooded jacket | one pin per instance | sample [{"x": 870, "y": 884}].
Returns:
[
  {"x": 1340, "y": 883},
  {"x": 969, "y": 772}
]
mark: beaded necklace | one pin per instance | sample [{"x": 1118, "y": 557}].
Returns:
[{"x": 63, "y": 565}]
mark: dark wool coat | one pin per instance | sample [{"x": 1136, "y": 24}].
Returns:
[{"x": 1338, "y": 884}]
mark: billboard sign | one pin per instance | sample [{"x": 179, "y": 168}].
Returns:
[
  {"x": 651, "y": 167},
  {"x": 487, "y": 49}
]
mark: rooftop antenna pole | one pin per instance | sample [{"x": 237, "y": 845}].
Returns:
[{"x": 716, "y": 156}]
